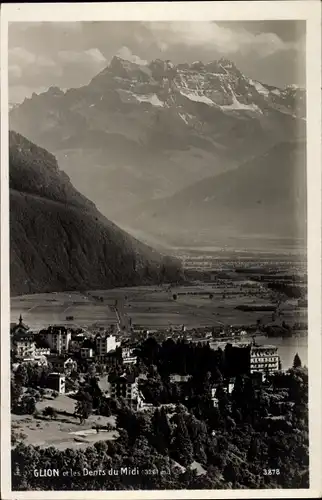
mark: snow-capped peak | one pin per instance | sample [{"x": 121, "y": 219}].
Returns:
[
  {"x": 226, "y": 63},
  {"x": 169, "y": 63},
  {"x": 293, "y": 86}
]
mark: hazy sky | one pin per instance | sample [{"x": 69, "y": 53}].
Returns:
[{"x": 70, "y": 54}]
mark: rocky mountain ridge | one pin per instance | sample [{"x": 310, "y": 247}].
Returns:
[
  {"x": 59, "y": 240},
  {"x": 138, "y": 131}
]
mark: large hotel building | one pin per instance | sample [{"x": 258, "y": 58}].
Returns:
[{"x": 264, "y": 359}]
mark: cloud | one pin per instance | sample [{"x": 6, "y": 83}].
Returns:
[
  {"x": 65, "y": 68},
  {"x": 91, "y": 58},
  {"x": 70, "y": 54},
  {"x": 96, "y": 55},
  {"x": 15, "y": 72},
  {"x": 21, "y": 57},
  {"x": 22, "y": 64},
  {"x": 126, "y": 53},
  {"x": 210, "y": 35}
]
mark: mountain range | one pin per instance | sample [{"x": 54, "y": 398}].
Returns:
[
  {"x": 142, "y": 136},
  {"x": 60, "y": 241},
  {"x": 262, "y": 204}
]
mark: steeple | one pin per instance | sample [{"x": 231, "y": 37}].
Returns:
[{"x": 20, "y": 320}]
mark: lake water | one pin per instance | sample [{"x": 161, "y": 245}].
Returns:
[{"x": 287, "y": 347}]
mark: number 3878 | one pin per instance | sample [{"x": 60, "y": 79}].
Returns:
[{"x": 271, "y": 472}]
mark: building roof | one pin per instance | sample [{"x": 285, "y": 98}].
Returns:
[
  {"x": 57, "y": 328},
  {"x": 53, "y": 358},
  {"x": 175, "y": 377},
  {"x": 263, "y": 347},
  {"x": 58, "y": 358},
  {"x": 176, "y": 465},
  {"x": 126, "y": 378},
  {"x": 22, "y": 337},
  {"x": 19, "y": 326},
  {"x": 108, "y": 354},
  {"x": 198, "y": 468},
  {"x": 104, "y": 384},
  {"x": 56, "y": 374}
]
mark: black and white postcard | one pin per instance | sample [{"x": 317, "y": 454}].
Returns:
[{"x": 161, "y": 250}]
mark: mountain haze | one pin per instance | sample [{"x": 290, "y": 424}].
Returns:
[{"x": 263, "y": 199}]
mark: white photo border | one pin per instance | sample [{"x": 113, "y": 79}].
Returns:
[{"x": 309, "y": 11}]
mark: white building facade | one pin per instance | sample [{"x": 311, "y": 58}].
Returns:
[
  {"x": 264, "y": 359},
  {"x": 105, "y": 343},
  {"x": 23, "y": 345},
  {"x": 58, "y": 339}
]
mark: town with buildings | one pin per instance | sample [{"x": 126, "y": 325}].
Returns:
[
  {"x": 65, "y": 350},
  {"x": 177, "y": 397}
]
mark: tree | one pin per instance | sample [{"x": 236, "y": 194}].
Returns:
[
  {"x": 217, "y": 375},
  {"x": 98, "y": 428},
  {"x": 17, "y": 437},
  {"x": 74, "y": 375},
  {"x": 297, "y": 363},
  {"x": 127, "y": 420},
  {"x": 21, "y": 375},
  {"x": 161, "y": 430},
  {"x": 42, "y": 392},
  {"x": 28, "y": 405},
  {"x": 50, "y": 412},
  {"x": 15, "y": 393},
  {"x": 223, "y": 401},
  {"x": 104, "y": 407},
  {"x": 84, "y": 407},
  {"x": 182, "y": 449},
  {"x": 230, "y": 473},
  {"x": 253, "y": 450}
]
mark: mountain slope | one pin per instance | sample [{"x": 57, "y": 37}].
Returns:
[
  {"x": 262, "y": 199},
  {"x": 142, "y": 131},
  {"x": 59, "y": 240}
]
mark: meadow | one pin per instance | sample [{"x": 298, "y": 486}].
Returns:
[
  {"x": 155, "y": 307},
  {"x": 64, "y": 431}
]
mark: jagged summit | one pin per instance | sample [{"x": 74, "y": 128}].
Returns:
[
  {"x": 226, "y": 63},
  {"x": 126, "y": 54}
]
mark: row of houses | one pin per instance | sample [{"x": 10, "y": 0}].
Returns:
[
  {"x": 61, "y": 340},
  {"x": 62, "y": 348}
]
